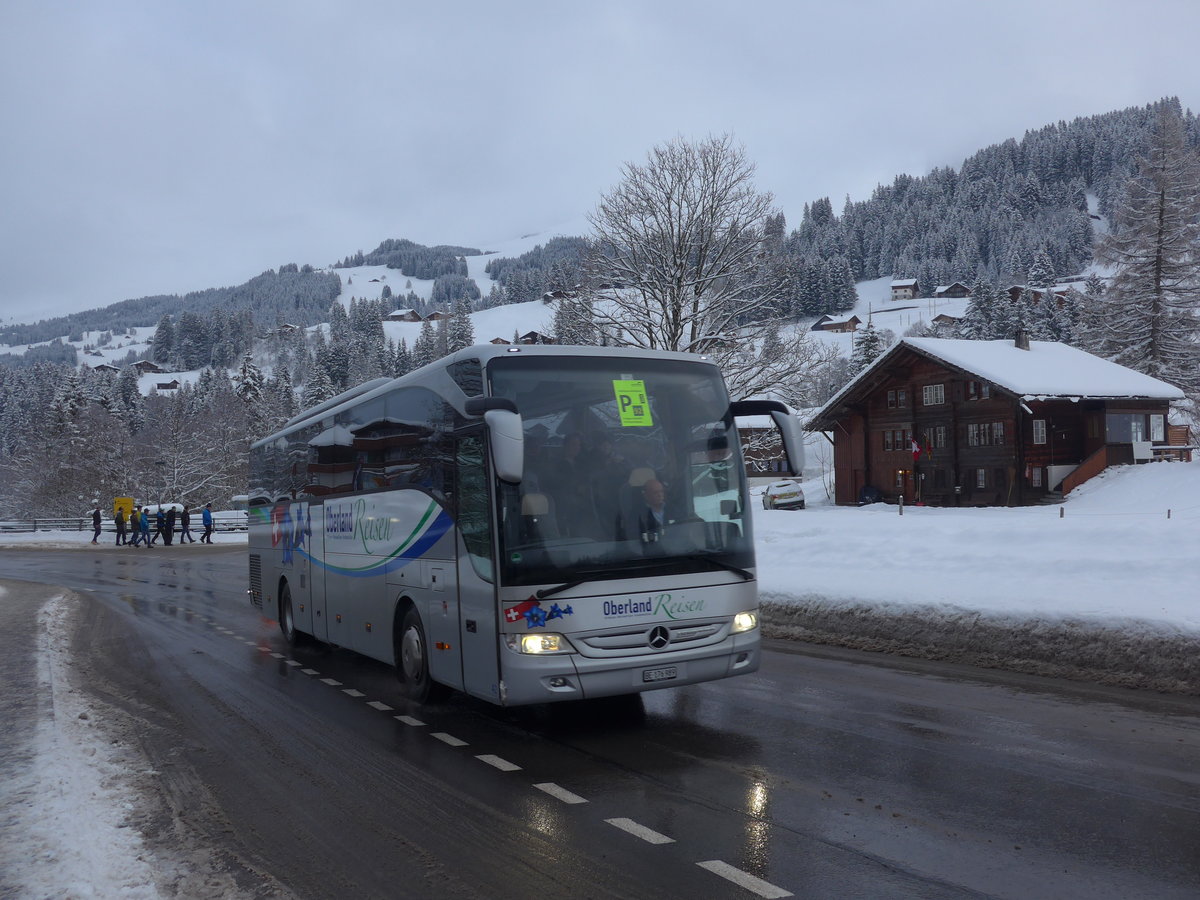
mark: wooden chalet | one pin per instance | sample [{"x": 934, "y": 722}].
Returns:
[
  {"x": 989, "y": 423},
  {"x": 535, "y": 337},
  {"x": 145, "y": 367},
  {"x": 403, "y": 315},
  {"x": 951, "y": 291},
  {"x": 904, "y": 288},
  {"x": 837, "y": 323}
]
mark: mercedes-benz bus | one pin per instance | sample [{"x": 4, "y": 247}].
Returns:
[{"x": 525, "y": 524}]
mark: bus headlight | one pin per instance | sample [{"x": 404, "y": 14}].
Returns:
[
  {"x": 542, "y": 642},
  {"x": 746, "y": 621}
]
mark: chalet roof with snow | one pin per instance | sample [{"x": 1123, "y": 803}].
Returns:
[
  {"x": 831, "y": 320},
  {"x": 904, "y": 282},
  {"x": 1047, "y": 370},
  {"x": 946, "y": 288}
]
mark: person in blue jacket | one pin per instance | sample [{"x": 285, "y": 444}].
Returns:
[{"x": 206, "y": 517}]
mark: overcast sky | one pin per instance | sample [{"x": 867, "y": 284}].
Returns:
[{"x": 163, "y": 147}]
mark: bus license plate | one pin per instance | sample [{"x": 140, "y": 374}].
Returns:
[{"x": 664, "y": 674}]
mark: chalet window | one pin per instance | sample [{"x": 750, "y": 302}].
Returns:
[
  {"x": 891, "y": 399},
  {"x": 933, "y": 394},
  {"x": 998, "y": 433},
  {"x": 887, "y": 440},
  {"x": 972, "y": 435},
  {"x": 985, "y": 391},
  {"x": 972, "y": 390},
  {"x": 1039, "y": 431},
  {"x": 902, "y": 399},
  {"x": 900, "y": 473},
  {"x": 1035, "y": 476},
  {"x": 981, "y": 478},
  {"x": 1157, "y": 428},
  {"x": 939, "y": 436}
]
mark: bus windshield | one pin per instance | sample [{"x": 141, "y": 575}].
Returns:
[{"x": 632, "y": 467}]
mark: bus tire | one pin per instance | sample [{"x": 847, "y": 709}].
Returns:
[
  {"x": 287, "y": 617},
  {"x": 412, "y": 661}
]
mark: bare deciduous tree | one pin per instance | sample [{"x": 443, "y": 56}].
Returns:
[{"x": 676, "y": 264}]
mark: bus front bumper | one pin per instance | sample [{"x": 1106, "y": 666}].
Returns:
[{"x": 534, "y": 679}]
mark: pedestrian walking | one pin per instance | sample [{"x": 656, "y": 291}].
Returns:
[
  {"x": 119, "y": 519},
  {"x": 160, "y": 526},
  {"x": 145, "y": 521},
  {"x": 169, "y": 535},
  {"x": 185, "y": 526},
  {"x": 96, "y": 525},
  {"x": 206, "y": 517}
]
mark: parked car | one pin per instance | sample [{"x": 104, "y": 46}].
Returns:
[{"x": 783, "y": 495}]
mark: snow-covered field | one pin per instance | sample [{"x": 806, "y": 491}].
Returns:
[{"x": 1108, "y": 555}]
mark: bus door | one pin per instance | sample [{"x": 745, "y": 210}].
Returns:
[
  {"x": 478, "y": 603},
  {"x": 316, "y": 572}
]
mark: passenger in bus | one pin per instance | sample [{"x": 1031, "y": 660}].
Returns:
[
  {"x": 571, "y": 489},
  {"x": 654, "y": 520}
]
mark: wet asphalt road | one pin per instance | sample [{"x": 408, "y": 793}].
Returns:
[{"x": 827, "y": 774}]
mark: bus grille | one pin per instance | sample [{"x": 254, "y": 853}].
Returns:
[
  {"x": 255, "y": 591},
  {"x": 636, "y": 640}
]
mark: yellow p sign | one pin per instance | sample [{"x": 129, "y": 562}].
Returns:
[{"x": 632, "y": 403}]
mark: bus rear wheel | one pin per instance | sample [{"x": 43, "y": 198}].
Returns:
[
  {"x": 412, "y": 661},
  {"x": 287, "y": 618}
]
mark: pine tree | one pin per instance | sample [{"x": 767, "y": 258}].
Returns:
[
  {"x": 460, "y": 331},
  {"x": 1041, "y": 270},
  {"x": 249, "y": 382},
  {"x": 317, "y": 389},
  {"x": 1151, "y": 302},
  {"x": 425, "y": 348},
  {"x": 868, "y": 346}
]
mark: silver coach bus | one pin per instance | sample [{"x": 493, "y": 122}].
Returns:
[{"x": 522, "y": 523}]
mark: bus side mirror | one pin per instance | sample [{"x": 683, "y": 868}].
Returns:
[
  {"x": 508, "y": 444},
  {"x": 789, "y": 428},
  {"x": 507, "y": 435}
]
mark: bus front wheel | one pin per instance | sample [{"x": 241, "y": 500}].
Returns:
[
  {"x": 287, "y": 618},
  {"x": 412, "y": 661}
]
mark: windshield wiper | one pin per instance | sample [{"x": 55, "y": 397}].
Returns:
[
  {"x": 720, "y": 564},
  {"x": 550, "y": 592}
]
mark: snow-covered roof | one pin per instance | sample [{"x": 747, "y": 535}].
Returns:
[
  {"x": 904, "y": 282},
  {"x": 336, "y": 436},
  {"x": 1047, "y": 370}
]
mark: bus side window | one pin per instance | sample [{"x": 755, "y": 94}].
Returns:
[{"x": 474, "y": 508}]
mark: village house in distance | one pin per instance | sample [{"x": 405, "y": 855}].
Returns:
[{"x": 991, "y": 423}]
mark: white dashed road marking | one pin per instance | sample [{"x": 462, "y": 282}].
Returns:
[
  {"x": 744, "y": 879},
  {"x": 560, "y": 793},
  {"x": 353, "y": 693},
  {"x": 382, "y": 707},
  {"x": 292, "y": 662},
  {"x": 448, "y": 739},
  {"x": 277, "y": 655},
  {"x": 646, "y": 834},
  {"x": 502, "y": 764},
  {"x": 310, "y": 671},
  {"x": 409, "y": 720},
  {"x": 331, "y": 682}
]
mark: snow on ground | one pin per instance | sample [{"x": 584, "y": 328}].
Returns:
[
  {"x": 67, "y": 834},
  {"x": 1113, "y": 557}
]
